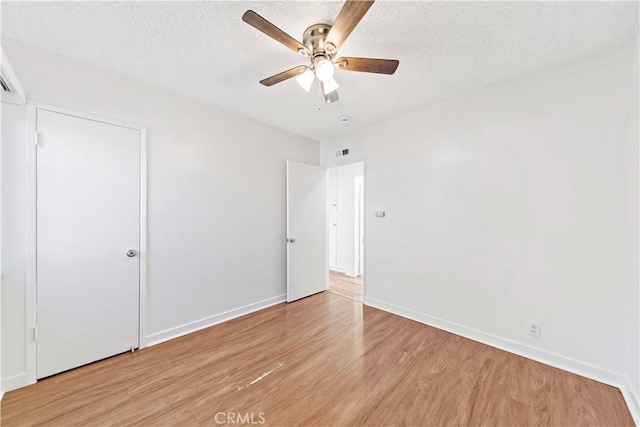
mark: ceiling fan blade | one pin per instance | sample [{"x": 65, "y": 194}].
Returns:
[
  {"x": 258, "y": 22},
  {"x": 368, "y": 65},
  {"x": 280, "y": 77},
  {"x": 351, "y": 13}
]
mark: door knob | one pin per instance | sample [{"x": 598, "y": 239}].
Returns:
[
  {"x": 291, "y": 240},
  {"x": 131, "y": 253}
]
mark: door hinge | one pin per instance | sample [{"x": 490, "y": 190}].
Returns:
[
  {"x": 35, "y": 138},
  {"x": 35, "y": 334}
]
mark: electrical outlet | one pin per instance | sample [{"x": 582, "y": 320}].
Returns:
[{"x": 533, "y": 329}]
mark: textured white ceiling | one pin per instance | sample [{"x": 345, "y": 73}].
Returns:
[{"x": 205, "y": 51}]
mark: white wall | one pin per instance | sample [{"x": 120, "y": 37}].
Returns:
[
  {"x": 12, "y": 120},
  {"x": 343, "y": 214},
  {"x": 632, "y": 364},
  {"x": 216, "y": 197},
  {"x": 13, "y": 245},
  {"x": 506, "y": 205}
]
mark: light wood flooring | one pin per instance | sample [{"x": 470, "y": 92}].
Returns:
[
  {"x": 350, "y": 287},
  {"x": 324, "y": 360}
]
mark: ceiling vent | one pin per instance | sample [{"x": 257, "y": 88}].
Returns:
[{"x": 12, "y": 91}]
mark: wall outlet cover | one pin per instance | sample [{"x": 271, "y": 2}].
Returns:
[{"x": 533, "y": 329}]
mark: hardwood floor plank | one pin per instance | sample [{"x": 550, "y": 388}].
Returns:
[
  {"x": 336, "y": 363},
  {"x": 341, "y": 284}
]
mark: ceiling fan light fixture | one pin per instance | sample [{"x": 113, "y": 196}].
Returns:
[
  {"x": 305, "y": 80},
  {"x": 320, "y": 45},
  {"x": 330, "y": 85},
  {"x": 324, "y": 70}
]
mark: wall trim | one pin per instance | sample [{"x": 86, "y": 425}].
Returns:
[
  {"x": 187, "y": 328},
  {"x": 631, "y": 398},
  {"x": 31, "y": 221},
  {"x": 14, "y": 382},
  {"x": 543, "y": 356}
]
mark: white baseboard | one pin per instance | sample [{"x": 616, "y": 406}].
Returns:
[
  {"x": 337, "y": 269},
  {"x": 188, "y": 328},
  {"x": 543, "y": 356},
  {"x": 14, "y": 382},
  {"x": 632, "y": 399}
]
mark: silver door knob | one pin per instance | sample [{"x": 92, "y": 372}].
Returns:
[{"x": 131, "y": 253}]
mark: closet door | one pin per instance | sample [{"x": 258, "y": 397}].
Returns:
[{"x": 88, "y": 233}]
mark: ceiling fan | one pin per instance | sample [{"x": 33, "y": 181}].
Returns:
[{"x": 320, "y": 44}]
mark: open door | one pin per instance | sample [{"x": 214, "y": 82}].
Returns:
[{"x": 307, "y": 270}]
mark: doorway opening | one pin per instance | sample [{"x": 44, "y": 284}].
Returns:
[{"x": 345, "y": 213}]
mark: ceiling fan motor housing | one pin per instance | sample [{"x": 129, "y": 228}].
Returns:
[{"x": 313, "y": 40}]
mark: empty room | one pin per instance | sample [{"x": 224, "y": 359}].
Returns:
[{"x": 319, "y": 213}]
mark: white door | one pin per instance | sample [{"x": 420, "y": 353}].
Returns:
[
  {"x": 88, "y": 215},
  {"x": 307, "y": 269}
]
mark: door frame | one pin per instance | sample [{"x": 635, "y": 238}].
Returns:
[
  {"x": 365, "y": 215},
  {"x": 359, "y": 232},
  {"x": 363, "y": 271},
  {"x": 31, "y": 224}
]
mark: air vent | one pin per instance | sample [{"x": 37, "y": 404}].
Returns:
[
  {"x": 12, "y": 91},
  {"x": 5, "y": 85},
  {"x": 343, "y": 152}
]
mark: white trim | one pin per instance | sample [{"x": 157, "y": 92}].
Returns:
[
  {"x": 287, "y": 245},
  {"x": 548, "y": 358},
  {"x": 14, "y": 382},
  {"x": 82, "y": 115},
  {"x": 631, "y": 398},
  {"x": 31, "y": 225},
  {"x": 209, "y": 321},
  {"x": 327, "y": 237},
  {"x": 142, "y": 250},
  {"x": 358, "y": 244},
  {"x": 337, "y": 269},
  {"x": 30, "y": 247},
  {"x": 363, "y": 273}
]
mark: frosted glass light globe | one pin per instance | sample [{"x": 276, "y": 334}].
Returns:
[{"x": 324, "y": 70}]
